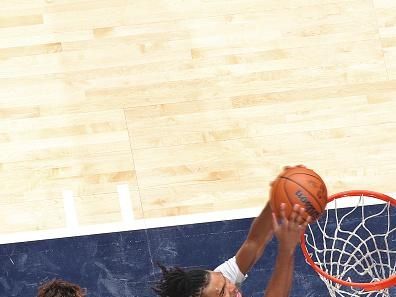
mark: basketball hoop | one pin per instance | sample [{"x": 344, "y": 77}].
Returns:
[{"x": 353, "y": 247}]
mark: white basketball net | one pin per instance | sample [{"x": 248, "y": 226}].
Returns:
[{"x": 355, "y": 244}]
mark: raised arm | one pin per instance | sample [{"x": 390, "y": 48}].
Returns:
[
  {"x": 259, "y": 235},
  {"x": 288, "y": 233}
]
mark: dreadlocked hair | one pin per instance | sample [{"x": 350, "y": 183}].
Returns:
[{"x": 177, "y": 282}]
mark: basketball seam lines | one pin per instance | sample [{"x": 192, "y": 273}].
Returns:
[
  {"x": 287, "y": 195},
  {"x": 274, "y": 189},
  {"x": 289, "y": 179}
]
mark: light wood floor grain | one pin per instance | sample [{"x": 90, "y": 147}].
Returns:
[{"x": 196, "y": 105}]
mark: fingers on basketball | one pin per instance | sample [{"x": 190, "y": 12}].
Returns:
[{"x": 302, "y": 186}]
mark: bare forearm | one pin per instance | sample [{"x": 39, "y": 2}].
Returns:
[
  {"x": 282, "y": 277},
  {"x": 259, "y": 235},
  {"x": 261, "y": 228},
  {"x": 291, "y": 274},
  {"x": 288, "y": 233}
]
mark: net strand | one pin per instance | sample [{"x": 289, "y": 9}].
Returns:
[{"x": 356, "y": 254}]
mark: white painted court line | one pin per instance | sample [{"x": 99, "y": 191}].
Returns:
[
  {"x": 125, "y": 204},
  {"x": 66, "y": 232},
  {"x": 130, "y": 224},
  {"x": 70, "y": 210},
  {"x": 203, "y": 217},
  {"x": 137, "y": 224}
]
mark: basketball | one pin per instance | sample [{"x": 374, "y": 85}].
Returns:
[{"x": 299, "y": 185}]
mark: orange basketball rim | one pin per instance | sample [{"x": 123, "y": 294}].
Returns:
[{"x": 319, "y": 265}]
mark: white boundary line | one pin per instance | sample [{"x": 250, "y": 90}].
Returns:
[
  {"x": 203, "y": 217},
  {"x": 70, "y": 210},
  {"x": 130, "y": 224},
  {"x": 137, "y": 224},
  {"x": 66, "y": 232},
  {"x": 125, "y": 203}
]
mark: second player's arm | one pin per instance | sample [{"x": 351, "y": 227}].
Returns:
[{"x": 259, "y": 235}]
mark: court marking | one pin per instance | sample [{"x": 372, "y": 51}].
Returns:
[
  {"x": 125, "y": 203},
  {"x": 70, "y": 210},
  {"x": 129, "y": 224}
]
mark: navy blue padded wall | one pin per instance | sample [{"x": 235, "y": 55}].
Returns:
[
  {"x": 116, "y": 264},
  {"x": 123, "y": 263}
]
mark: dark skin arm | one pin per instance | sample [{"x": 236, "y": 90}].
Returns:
[
  {"x": 288, "y": 233},
  {"x": 259, "y": 235}
]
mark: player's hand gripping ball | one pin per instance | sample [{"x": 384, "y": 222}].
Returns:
[{"x": 299, "y": 185}]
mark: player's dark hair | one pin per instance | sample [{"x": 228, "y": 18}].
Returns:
[
  {"x": 60, "y": 288},
  {"x": 177, "y": 282}
]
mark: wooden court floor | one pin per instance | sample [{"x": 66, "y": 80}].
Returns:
[{"x": 193, "y": 105}]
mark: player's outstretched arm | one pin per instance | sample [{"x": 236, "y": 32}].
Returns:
[
  {"x": 259, "y": 235},
  {"x": 288, "y": 233}
]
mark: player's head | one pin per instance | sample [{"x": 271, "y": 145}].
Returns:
[
  {"x": 177, "y": 282},
  {"x": 60, "y": 288},
  {"x": 219, "y": 285}
]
